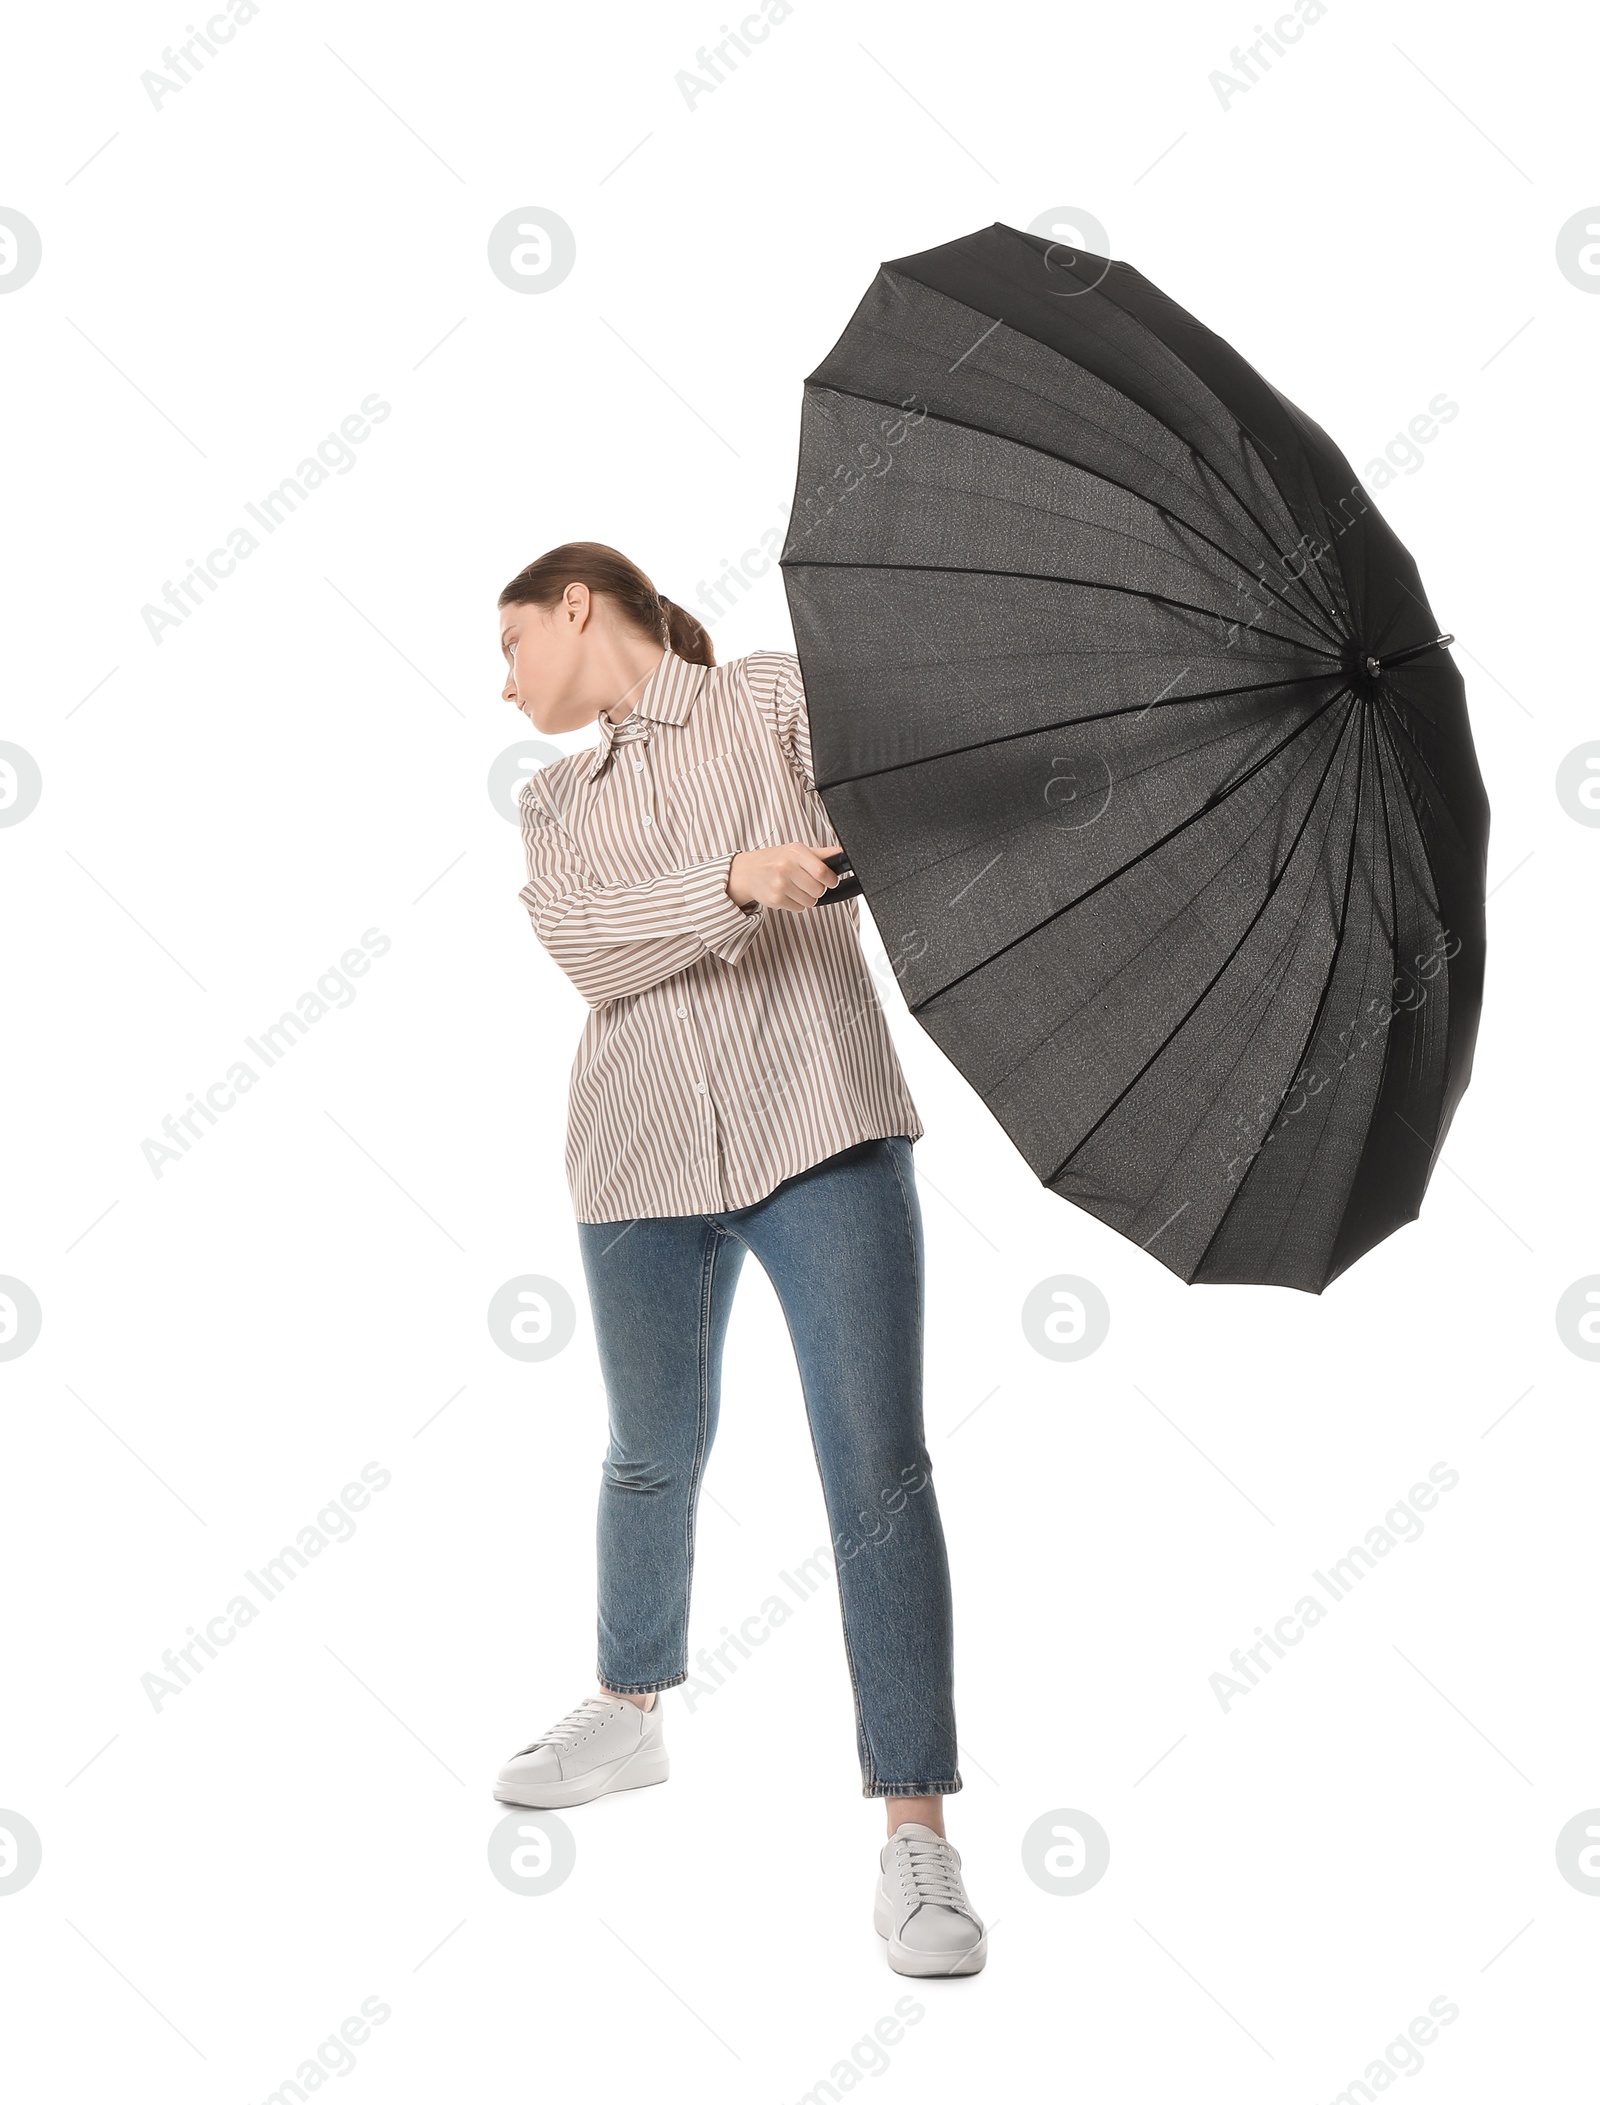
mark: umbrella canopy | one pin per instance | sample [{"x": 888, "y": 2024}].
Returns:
[{"x": 1140, "y": 735}]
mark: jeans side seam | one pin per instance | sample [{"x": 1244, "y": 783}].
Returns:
[
  {"x": 916, "y": 1255},
  {"x": 696, "y": 1467},
  {"x": 869, "y": 1764},
  {"x": 951, "y": 1783}
]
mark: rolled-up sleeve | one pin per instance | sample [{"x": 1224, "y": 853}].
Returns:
[{"x": 615, "y": 940}]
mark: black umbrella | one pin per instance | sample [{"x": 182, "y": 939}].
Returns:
[{"x": 1142, "y": 740}]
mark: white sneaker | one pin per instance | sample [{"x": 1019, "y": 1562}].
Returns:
[
  {"x": 606, "y": 1744},
  {"x": 922, "y": 1906}
]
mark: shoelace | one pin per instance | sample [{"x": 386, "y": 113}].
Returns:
[
  {"x": 573, "y": 1726},
  {"x": 929, "y": 1867}
]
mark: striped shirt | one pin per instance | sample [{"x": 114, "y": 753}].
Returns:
[{"x": 726, "y": 1047}]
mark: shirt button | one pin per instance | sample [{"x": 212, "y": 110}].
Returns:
[
  {"x": 649, "y": 821},
  {"x": 638, "y": 764},
  {"x": 683, "y": 1012},
  {"x": 701, "y": 1087}
]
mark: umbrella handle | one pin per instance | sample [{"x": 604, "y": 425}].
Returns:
[{"x": 849, "y": 884}]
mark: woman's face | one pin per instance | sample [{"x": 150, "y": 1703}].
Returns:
[{"x": 545, "y": 661}]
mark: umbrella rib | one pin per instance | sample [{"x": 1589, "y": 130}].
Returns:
[
  {"x": 1240, "y": 1055},
  {"x": 1447, "y": 815},
  {"x": 1008, "y": 833},
  {"x": 1115, "y": 483},
  {"x": 1250, "y": 926},
  {"x": 1259, "y": 446},
  {"x": 1317, "y": 1014},
  {"x": 1355, "y": 826},
  {"x": 1380, "y": 729},
  {"x": 1052, "y": 577},
  {"x": 1153, "y": 336},
  {"x": 1073, "y": 723},
  {"x": 1394, "y": 916},
  {"x": 996, "y": 1082},
  {"x": 1388, "y": 732},
  {"x": 1217, "y": 797},
  {"x": 1388, "y": 842},
  {"x": 1329, "y": 611}
]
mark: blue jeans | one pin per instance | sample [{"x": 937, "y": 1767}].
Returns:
[{"x": 842, "y": 1244}]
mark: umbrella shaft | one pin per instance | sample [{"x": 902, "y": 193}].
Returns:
[{"x": 1416, "y": 651}]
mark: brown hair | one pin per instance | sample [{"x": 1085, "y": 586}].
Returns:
[{"x": 607, "y": 570}]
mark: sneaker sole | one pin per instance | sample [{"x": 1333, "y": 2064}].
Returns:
[
  {"x": 926, "y": 1965},
  {"x": 632, "y": 1773}
]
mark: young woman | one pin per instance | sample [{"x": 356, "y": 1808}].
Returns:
[{"x": 735, "y": 1089}]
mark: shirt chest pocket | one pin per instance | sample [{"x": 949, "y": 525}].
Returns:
[{"x": 726, "y": 805}]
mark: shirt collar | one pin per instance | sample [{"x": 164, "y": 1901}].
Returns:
[{"x": 667, "y": 698}]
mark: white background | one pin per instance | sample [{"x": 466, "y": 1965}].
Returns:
[{"x": 223, "y": 1881}]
